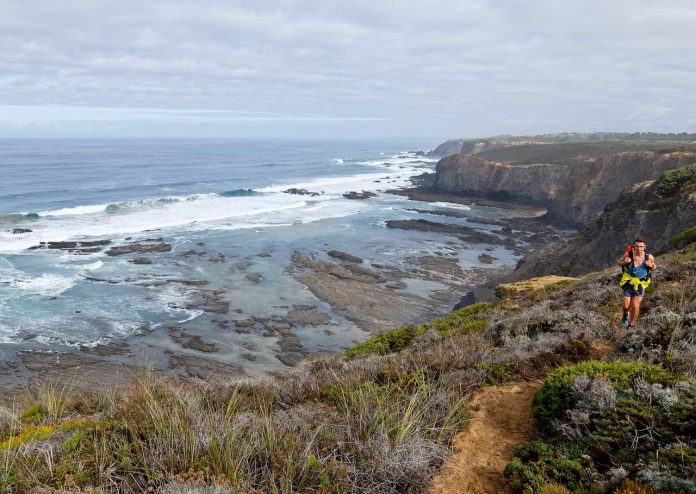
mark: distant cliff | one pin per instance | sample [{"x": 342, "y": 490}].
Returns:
[
  {"x": 662, "y": 210},
  {"x": 477, "y": 145},
  {"x": 574, "y": 181}
]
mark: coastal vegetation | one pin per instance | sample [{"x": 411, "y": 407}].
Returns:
[{"x": 381, "y": 418}]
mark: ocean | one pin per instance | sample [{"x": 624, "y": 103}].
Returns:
[{"x": 227, "y": 228}]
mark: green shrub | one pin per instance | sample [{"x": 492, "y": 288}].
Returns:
[
  {"x": 500, "y": 372},
  {"x": 74, "y": 442},
  {"x": 387, "y": 342},
  {"x": 541, "y": 462},
  {"x": 34, "y": 414},
  {"x": 683, "y": 239},
  {"x": 460, "y": 321},
  {"x": 463, "y": 320},
  {"x": 604, "y": 417},
  {"x": 555, "y": 396},
  {"x": 670, "y": 181},
  {"x": 554, "y": 489}
]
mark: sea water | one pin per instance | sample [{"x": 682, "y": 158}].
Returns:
[{"x": 222, "y": 205}]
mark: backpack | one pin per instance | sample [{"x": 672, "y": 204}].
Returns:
[{"x": 629, "y": 251}]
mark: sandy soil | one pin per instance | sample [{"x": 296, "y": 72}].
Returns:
[{"x": 502, "y": 419}]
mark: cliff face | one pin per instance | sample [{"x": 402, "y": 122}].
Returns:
[
  {"x": 477, "y": 145},
  {"x": 658, "y": 210},
  {"x": 466, "y": 146},
  {"x": 574, "y": 191}
]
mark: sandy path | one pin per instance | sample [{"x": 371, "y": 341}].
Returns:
[{"x": 502, "y": 419}]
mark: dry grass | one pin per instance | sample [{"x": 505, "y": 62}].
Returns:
[{"x": 379, "y": 422}]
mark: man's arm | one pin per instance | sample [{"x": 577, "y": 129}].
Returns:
[
  {"x": 650, "y": 262},
  {"x": 625, "y": 260}
]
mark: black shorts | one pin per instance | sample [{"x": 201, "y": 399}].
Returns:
[{"x": 630, "y": 291}]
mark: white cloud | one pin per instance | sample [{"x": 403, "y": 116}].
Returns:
[{"x": 432, "y": 68}]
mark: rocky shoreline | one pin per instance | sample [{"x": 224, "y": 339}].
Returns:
[{"x": 371, "y": 295}]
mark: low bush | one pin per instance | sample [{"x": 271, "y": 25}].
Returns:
[
  {"x": 388, "y": 342},
  {"x": 683, "y": 239},
  {"x": 556, "y": 395},
  {"x": 541, "y": 463},
  {"x": 460, "y": 321},
  {"x": 672, "y": 180},
  {"x": 602, "y": 418}
]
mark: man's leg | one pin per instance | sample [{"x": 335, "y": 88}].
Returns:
[
  {"x": 635, "y": 309},
  {"x": 625, "y": 307}
]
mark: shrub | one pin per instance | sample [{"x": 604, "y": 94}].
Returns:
[
  {"x": 460, "y": 321},
  {"x": 384, "y": 343},
  {"x": 555, "y": 396},
  {"x": 608, "y": 420},
  {"x": 631, "y": 487},
  {"x": 554, "y": 489},
  {"x": 670, "y": 181},
  {"x": 683, "y": 239},
  {"x": 34, "y": 414},
  {"x": 541, "y": 462}
]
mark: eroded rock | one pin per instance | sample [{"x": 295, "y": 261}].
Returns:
[
  {"x": 141, "y": 260},
  {"x": 254, "y": 278},
  {"x": 464, "y": 232},
  {"x": 486, "y": 258},
  {"x": 300, "y": 192},
  {"x": 138, "y": 247},
  {"x": 344, "y": 256},
  {"x": 365, "y": 194}
]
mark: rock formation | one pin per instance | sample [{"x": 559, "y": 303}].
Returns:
[
  {"x": 659, "y": 210},
  {"x": 574, "y": 187}
]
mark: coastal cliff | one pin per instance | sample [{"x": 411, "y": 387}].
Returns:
[
  {"x": 663, "y": 211},
  {"x": 574, "y": 182},
  {"x": 478, "y": 145}
]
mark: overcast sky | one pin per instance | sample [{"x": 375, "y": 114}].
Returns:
[{"x": 303, "y": 68}]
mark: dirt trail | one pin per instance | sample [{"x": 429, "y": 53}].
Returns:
[{"x": 501, "y": 419}]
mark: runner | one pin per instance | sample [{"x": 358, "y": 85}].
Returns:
[{"x": 636, "y": 266}]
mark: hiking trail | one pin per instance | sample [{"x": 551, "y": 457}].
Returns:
[{"x": 501, "y": 420}]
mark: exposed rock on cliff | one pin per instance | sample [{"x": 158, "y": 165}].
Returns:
[
  {"x": 575, "y": 188},
  {"x": 659, "y": 210}
]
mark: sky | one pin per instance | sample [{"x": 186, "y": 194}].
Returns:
[{"x": 345, "y": 69}]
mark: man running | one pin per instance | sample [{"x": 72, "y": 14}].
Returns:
[{"x": 637, "y": 265}]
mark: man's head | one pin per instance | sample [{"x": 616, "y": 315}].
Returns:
[{"x": 639, "y": 243}]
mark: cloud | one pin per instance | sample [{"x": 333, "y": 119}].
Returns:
[{"x": 411, "y": 67}]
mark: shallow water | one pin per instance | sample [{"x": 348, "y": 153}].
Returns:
[{"x": 221, "y": 207}]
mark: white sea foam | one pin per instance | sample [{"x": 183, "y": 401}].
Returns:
[
  {"x": 46, "y": 285},
  {"x": 337, "y": 161},
  {"x": 403, "y": 159},
  {"x": 451, "y": 205},
  {"x": 191, "y": 316},
  {"x": 243, "y": 208},
  {"x": 112, "y": 329},
  {"x": 93, "y": 266},
  {"x": 97, "y": 208}
]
